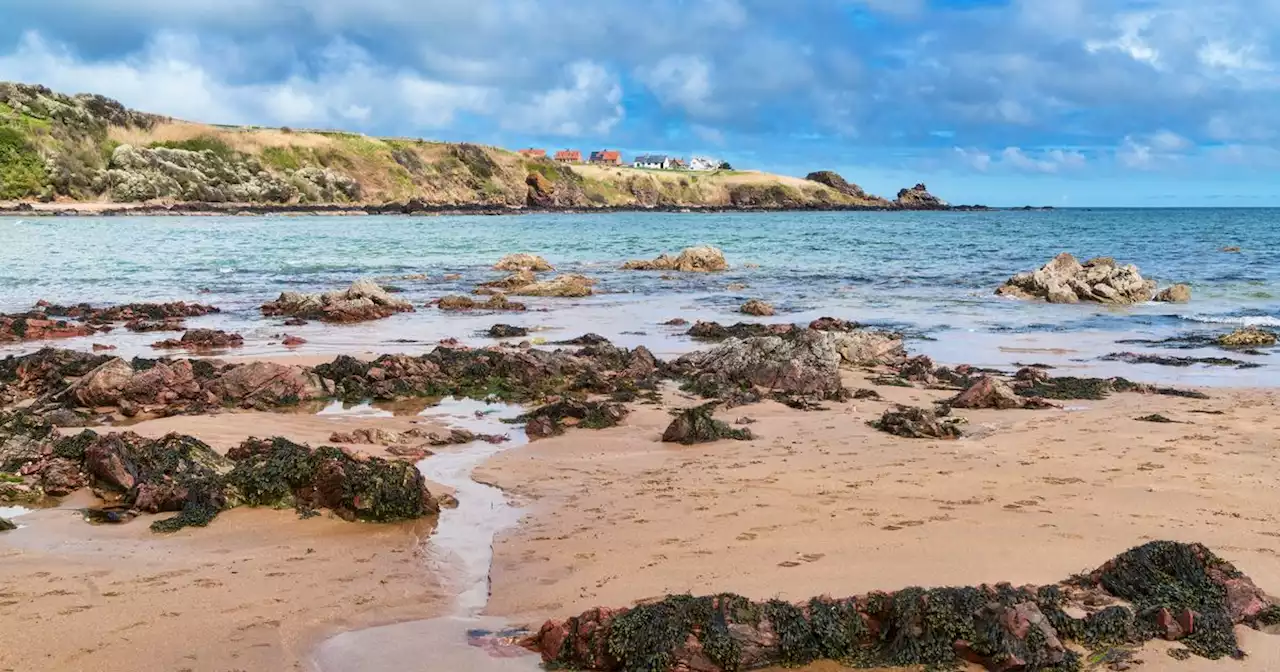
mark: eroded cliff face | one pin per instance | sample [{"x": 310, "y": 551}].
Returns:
[{"x": 90, "y": 148}]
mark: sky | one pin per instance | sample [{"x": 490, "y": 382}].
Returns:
[{"x": 1154, "y": 103}]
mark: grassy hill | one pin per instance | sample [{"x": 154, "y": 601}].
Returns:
[{"x": 88, "y": 148}]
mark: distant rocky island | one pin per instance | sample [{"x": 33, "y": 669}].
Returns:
[{"x": 71, "y": 154}]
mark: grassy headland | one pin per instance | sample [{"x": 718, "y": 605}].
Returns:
[{"x": 87, "y": 148}]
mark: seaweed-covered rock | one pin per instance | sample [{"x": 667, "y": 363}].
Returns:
[
  {"x": 363, "y": 301},
  {"x": 497, "y": 302},
  {"x": 756, "y": 307},
  {"x": 104, "y": 385},
  {"x": 569, "y": 285},
  {"x": 23, "y": 439},
  {"x": 990, "y": 392},
  {"x": 202, "y": 339},
  {"x": 551, "y": 419},
  {"x": 714, "y": 331},
  {"x": 1065, "y": 280},
  {"x": 523, "y": 262},
  {"x": 1247, "y": 337},
  {"x": 696, "y": 425},
  {"x": 1178, "y": 591},
  {"x": 833, "y": 324},
  {"x": 26, "y": 327},
  {"x": 919, "y": 423},
  {"x": 1174, "y": 294},
  {"x": 128, "y": 312},
  {"x": 518, "y": 279},
  {"x": 690, "y": 260},
  {"x": 6, "y": 525},
  {"x": 507, "y": 331}
]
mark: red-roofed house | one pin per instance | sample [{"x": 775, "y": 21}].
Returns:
[
  {"x": 534, "y": 153},
  {"x": 569, "y": 156},
  {"x": 609, "y": 157}
]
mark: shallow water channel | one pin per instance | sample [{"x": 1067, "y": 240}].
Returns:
[{"x": 460, "y": 551}]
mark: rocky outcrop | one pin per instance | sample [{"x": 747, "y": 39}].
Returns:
[
  {"x": 202, "y": 339},
  {"x": 714, "y": 331},
  {"x": 703, "y": 259},
  {"x": 807, "y": 363},
  {"x": 1140, "y": 595},
  {"x": 919, "y": 198},
  {"x": 756, "y": 307},
  {"x": 518, "y": 279},
  {"x": 835, "y": 181},
  {"x": 363, "y": 301},
  {"x": 567, "y": 286},
  {"x": 23, "y": 327},
  {"x": 50, "y": 321},
  {"x": 523, "y": 261},
  {"x": 1247, "y": 337},
  {"x": 1065, "y": 280},
  {"x": 1174, "y": 294},
  {"x": 696, "y": 425}
]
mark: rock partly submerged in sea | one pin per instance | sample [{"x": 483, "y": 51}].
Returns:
[
  {"x": 202, "y": 339},
  {"x": 1162, "y": 589},
  {"x": 704, "y": 259},
  {"x": 364, "y": 300},
  {"x": 1247, "y": 337},
  {"x": 569, "y": 285},
  {"x": 523, "y": 261},
  {"x": 46, "y": 321},
  {"x": 1066, "y": 280},
  {"x": 919, "y": 198},
  {"x": 1179, "y": 293},
  {"x": 756, "y": 307},
  {"x": 497, "y": 302}
]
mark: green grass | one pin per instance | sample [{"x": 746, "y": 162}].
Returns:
[
  {"x": 282, "y": 158},
  {"x": 200, "y": 144},
  {"x": 22, "y": 171}
]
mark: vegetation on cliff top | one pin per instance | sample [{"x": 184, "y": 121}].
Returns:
[{"x": 90, "y": 148}]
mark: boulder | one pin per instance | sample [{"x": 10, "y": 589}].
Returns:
[
  {"x": 520, "y": 278},
  {"x": 989, "y": 392},
  {"x": 104, "y": 385},
  {"x": 507, "y": 331},
  {"x": 1247, "y": 337},
  {"x": 1174, "y": 294},
  {"x": 523, "y": 262},
  {"x": 541, "y": 192},
  {"x": 919, "y": 423},
  {"x": 7, "y": 525},
  {"x": 696, "y": 425},
  {"x": 714, "y": 331},
  {"x": 552, "y": 419},
  {"x": 756, "y": 307},
  {"x": 266, "y": 384},
  {"x": 702, "y": 259},
  {"x": 363, "y": 301},
  {"x": 292, "y": 341},
  {"x": 495, "y": 302},
  {"x": 60, "y": 477},
  {"x": 202, "y": 339},
  {"x": 164, "y": 384},
  {"x": 32, "y": 327},
  {"x": 568, "y": 286},
  {"x": 1065, "y": 280}
]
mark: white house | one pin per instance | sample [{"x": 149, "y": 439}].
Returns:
[
  {"x": 703, "y": 163},
  {"x": 660, "y": 161}
]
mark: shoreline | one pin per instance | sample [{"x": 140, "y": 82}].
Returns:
[{"x": 417, "y": 208}]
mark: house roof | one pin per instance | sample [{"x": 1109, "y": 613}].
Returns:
[
  {"x": 568, "y": 154},
  {"x": 533, "y": 152},
  {"x": 651, "y": 158}
]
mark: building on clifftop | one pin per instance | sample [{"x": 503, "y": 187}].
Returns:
[{"x": 569, "y": 156}]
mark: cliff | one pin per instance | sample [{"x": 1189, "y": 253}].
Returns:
[{"x": 87, "y": 148}]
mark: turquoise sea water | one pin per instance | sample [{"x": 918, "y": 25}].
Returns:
[{"x": 929, "y": 273}]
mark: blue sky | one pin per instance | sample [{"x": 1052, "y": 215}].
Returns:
[{"x": 1004, "y": 102}]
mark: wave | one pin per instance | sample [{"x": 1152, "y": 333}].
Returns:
[{"x": 1242, "y": 320}]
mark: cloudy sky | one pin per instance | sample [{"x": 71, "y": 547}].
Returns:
[{"x": 1005, "y": 102}]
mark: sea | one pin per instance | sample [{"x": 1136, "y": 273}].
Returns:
[{"x": 930, "y": 275}]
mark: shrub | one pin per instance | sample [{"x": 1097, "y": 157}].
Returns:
[
  {"x": 199, "y": 144},
  {"x": 22, "y": 171}
]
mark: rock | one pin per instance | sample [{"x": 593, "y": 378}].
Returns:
[
  {"x": 7, "y": 525},
  {"x": 363, "y": 301},
  {"x": 675, "y": 322},
  {"x": 756, "y": 307},
  {"x": 1247, "y": 337},
  {"x": 495, "y": 302},
  {"x": 523, "y": 262},
  {"x": 1065, "y": 280},
  {"x": 919, "y": 423},
  {"x": 919, "y": 198},
  {"x": 551, "y": 419},
  {"x": 989, "y": 392},
  {"x": 367, "y": 436},
  {"x": 266, "y": 384},
  {"x": 807, "y": 363},
  {"x": 295, "y": 322},
  {"x": 507, "y": 331},
  {"x": 104, "y": 385},
  {"x": 736, "y": 286},
  {"x": 695, "y": 425},
  {"x": 516, "y": 280},
  {"x": 60, "y": 477},
  {"x": 140, "y": 326},
  {"x": 569, "y": 286},
  {"x": 450, "y": 277},
  {"x": 32, "y": 327},
  {"x": 99, "y": 347},
  {"x": 202, "y": 339},
  {"x": 833, "y": 324},
  {"x": 1231, "y": 249},
  {"x": 703, "y": 259},
  {"x": 293, "y": 341},
  {"x": 1175, "y": 294},
  {"x": 714, "y": 331}
]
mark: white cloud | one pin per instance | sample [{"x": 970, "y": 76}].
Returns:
[
  {"x": 1152, "y": 152},
  {"x": 1050, "y": 161},
  {"x": 590, "y": 103},
  {"x": 976, "y": 159},
  {"x": 680, "y": 81}
]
